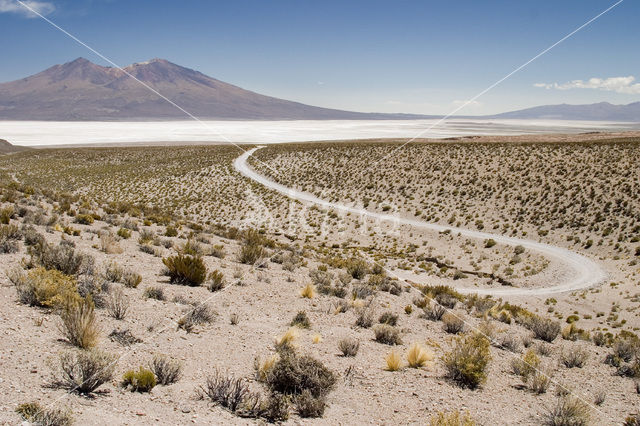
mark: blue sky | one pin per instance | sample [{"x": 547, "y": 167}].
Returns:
[{"x": 388, "y": 56}]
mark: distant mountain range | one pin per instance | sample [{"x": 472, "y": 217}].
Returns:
[
  {"x": 81, "y": 90},
  {"x": 603, "y": 111}
]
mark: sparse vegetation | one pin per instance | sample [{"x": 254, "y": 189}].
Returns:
[{"x": 467, "y": 362}]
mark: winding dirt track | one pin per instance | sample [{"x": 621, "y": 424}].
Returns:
[{"x": 581, "y": 272}]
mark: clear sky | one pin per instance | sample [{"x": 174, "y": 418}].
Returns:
[{"x": 387, "y": 56}]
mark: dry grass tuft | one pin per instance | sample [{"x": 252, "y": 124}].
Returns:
[
  {"x": 394, "y": 361},
  {"x": 419, "y": 357},
  {"x": 287, "y": 340},
  {"x": 308, "y": 291},
  {"x": 79, "y": 324}
]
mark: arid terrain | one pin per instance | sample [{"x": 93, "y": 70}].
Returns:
[{"x": 161, "y": 285}]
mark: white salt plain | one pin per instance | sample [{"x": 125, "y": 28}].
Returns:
[{"x": 50, "y": 133}]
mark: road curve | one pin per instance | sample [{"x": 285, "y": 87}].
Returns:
[{"x": 581, "y": 273}]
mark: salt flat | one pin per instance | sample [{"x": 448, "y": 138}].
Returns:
[{"x": 48, "y": 133}]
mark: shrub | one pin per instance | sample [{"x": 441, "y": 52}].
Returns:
[
  {"x": 154, "y": 293},
  {"x": 109, "y": 244},
  {"x": 452, "y": 418},
  {"x": 84, "y": 219},
  {"x": 310, "y": 406},
  {"x": 308, "y": 291},
  {"x": 388, "y": 318},
  {"x": 543, "y": 329},
  {"x": 387, "y": 334},
  {"x": 142, "y": 380},
  {"x": 6, "y": 214},
  {"x": 452, "y": 323},
  {"x": 357, "y": 268},
  {"x": 293, "y": 374},
  {"x": 131, "y": 279},
  {"x": 118, "y": 304},
  {"x": 46, "y": 288},
  {"x": 226, "y": 391},
  {"x": 215, "y": 281},
  {"x": 62, "y": 258},
  {"x": 394, "y": 361},
  {"x": 85, "y": 371},
  {"x": 35, "y": 414},
  {"x": 113, "y": 272},
  {"x": 434, "y": 311},
  {"x": 166, "y": 370},
  {"x": 467, "y": 362},
  {"x": 574, "y": 357},
  {"x": 349, "y": 346},
  {"x": 525, "y": 366},
  {"x": 490, "y": 243},
  {"x": 626, "y": 349},
  {"x": 198, "y": 314},
  {"x": 252, "y": 249},
  {"x": 540, "y": 382},
  {"x": 8, "y": 246},
  {"x": 567, "y": 411},
  {"x": 124, "y": 233},
  {"x": 184, "y": 269},
  {"x": 301, "y": 320},
  {"x": 365, "y": 317},
  {"x": 171, "y": 232},
  {"x": 123, "y": 337},
  {"x": 79, "y": 325}
]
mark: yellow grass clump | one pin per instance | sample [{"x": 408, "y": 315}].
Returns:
[
  {"x": 453, "y": 418},
  {"x": 263, "y": 368},
  {"x": 394, "y": 361},
  {"x": 308, "y": 291},
  {"x": 419, "y": 357},
  {"x": 316, "y": 338},
  {"x": 287, "y": 340}
]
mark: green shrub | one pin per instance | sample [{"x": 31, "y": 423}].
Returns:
[
  {"x": 250, "y": 253},
  {"x": 171, "y": 232},
  {"x": 388, "y": 318},
  {"x": 84, "y": 219},
  {"x": 467, "y": 362},
  {"x": 35, "y": 414},
  {"x": 142, "y": 380},
  {"x": 154, "y": 293},
  {"x": 452, "y": 418},
  {"x": 124, "y": 233},
  {"x": 215, "y": 281},
  {"x": 357, "y": 268},
  {"x": 46, "y": 288},
  {"x": 184, "y": 269},
  {"x": 301, "y": 320},
  {"x": 490, "y": 243}
]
